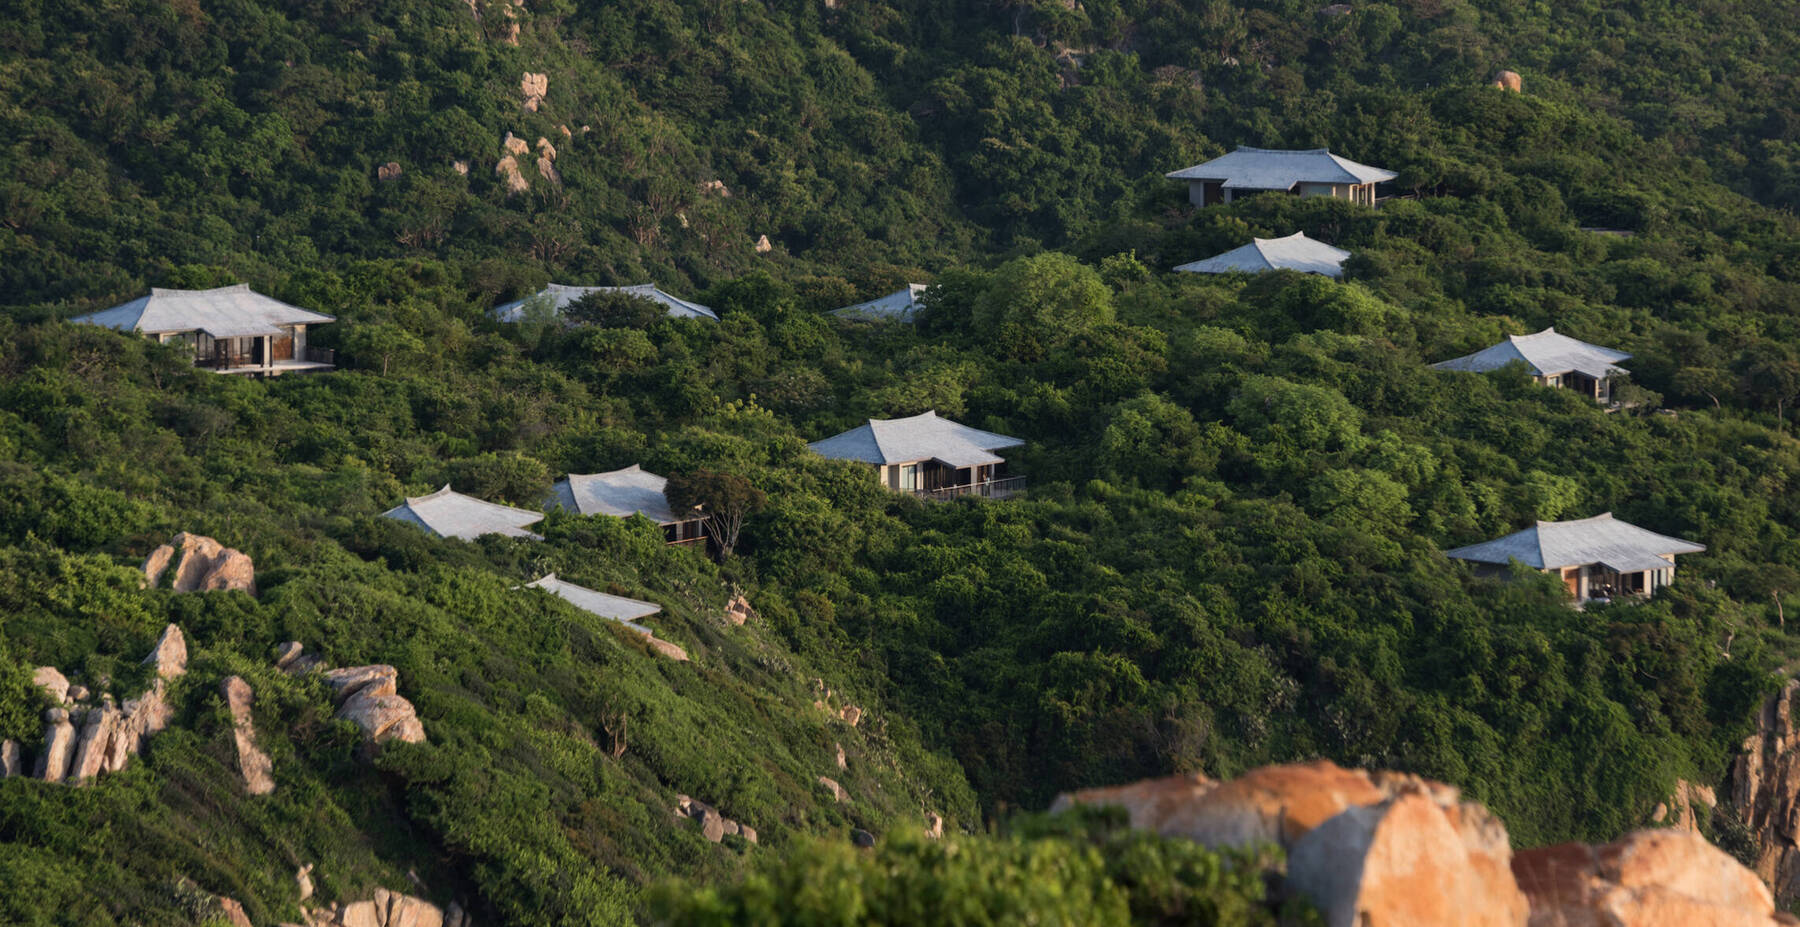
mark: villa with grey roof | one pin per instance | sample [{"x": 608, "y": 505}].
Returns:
[
  {"x": 1552, "y": 359},
  {"x": 624, "y": 493},
  {"x": 1312, "y": 172},
  {"x": 450, "y": 514},
  {"x": 1295, "y": 252},
  {"x": 228, "y": 329},
  {"x": 898, "y": 306},
  {"x": 1597, "y": 558},
  {"x": 928, "y": 457},
  {"x": 614, "y": 607},
  {"x": 556, "y": 297}
]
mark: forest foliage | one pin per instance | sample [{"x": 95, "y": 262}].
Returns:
[{"x": 1239, "y": 488}]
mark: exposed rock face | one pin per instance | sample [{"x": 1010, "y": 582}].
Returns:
[
  {"x": 1765, "y": 793},
  {"x": 460, "y": 166},
  {"x": 233, "y": 913},
  {"x": 841, "y": 761},
  {"x": 533, "y": 87},
  {"x": 303, "y": 881},
  {"x": 51, "y": 681},
  {"x": 292, "y": 658},
  {"x": 388, "y": 171},
  {"x": 1651, "y": 877},
  {"x": 837, "y": 791},
  {"x": 375, "y": 679},
  {"x": 205, "y": 564},
  {"x": 1681, "y": 809},
  {"x": 1509, "y": 81},
  {"x": 934, "y": 825},
  {"x": 515, "y": 145},
  {"x": 762, "y": 245},
  {"x": 851, "y": 715},
  {"x": 10, "y": 764},
  {"x": 258, "y": 772},
  {"x": 170, "y": 654}
]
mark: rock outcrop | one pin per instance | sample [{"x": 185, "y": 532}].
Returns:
[
  {"x": 1765, "y": 794},
  {"x": 738, "y": 610},
  {"x": 1509, "y": 81},
  {"x": 763, "y": 246},
  {"x": 205, "y": 565},
  {"x": 259, "y": 773},
  {"x": 10, "y": 763},
  {"x": 389, "y": 171},
  {"x": 934, "y": 825},
  {"x": 389, "y": 909},
  {"x": 837, "y": 791},
  {"x": 1650, "y": 877},
  {"x": 170, "y": 654},
  {"x": 1682, "y": 808},
  {"x": 82, "y": 742},
  {"x": 369, "y": 696},
  {"x": 713, "y": 825},
  {"x": 1394, "y": 850},
  {"x": 533, "y": 87}
]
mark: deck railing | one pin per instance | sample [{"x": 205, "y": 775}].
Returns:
[{"x": 991, "y": 489}]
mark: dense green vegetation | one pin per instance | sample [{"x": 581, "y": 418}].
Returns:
[{"x": 1229, "y": 554}]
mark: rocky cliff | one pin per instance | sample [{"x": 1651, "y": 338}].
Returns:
[{"x": 1764, "y": 787}]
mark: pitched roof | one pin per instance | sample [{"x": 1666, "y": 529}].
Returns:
[
  {"x": 1273, "y": 169},
  {"x": 621, "y": 493},
  {"x": 1603, "y": 539},
  {"x": 921, "y": 437},
  {"x": 1295, "y": 252},
  {"x": 561, "y": 296},
  {"x": 453, "y": 515},
  {"x": 595, "y": 602},
  {"x": 900, "y": 305},
  {"x": 223, "y": 312},
  {"x": 1546, "y": 353}
]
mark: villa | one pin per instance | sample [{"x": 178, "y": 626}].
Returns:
[
  {"x": 228, "y": 329},
  {"x": 1552, "y": 360},
  {"x": 1313, "y": 172},
  {"x": 928, "y": 456},
  {"x": 558, "y": 297},
  {"x": 450, "y": 514},
  {"x": 1295, "y": 252},
  {"x": 1597, "y": 558},
  {"x": 624, "y": 493}
]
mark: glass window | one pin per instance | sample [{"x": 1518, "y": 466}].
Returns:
[{"x": 909, "y": 477}]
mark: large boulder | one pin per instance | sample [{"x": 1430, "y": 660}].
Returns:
[
  {"x": 376, "y": 714},
  {"x": 1273, "y": 804},
  {"x": 1368, "y": 849},
  {"x": 1509, "y": 80},
  {"x": 91, "y": 749},
  {"x": 205, "y": 565},
  {"x": 59, "y": 746},
  {"x": 170, "y": 655},
  {"x": 1649, "y": 878},
  {"x": 258, "y": 771},
  {"x": 837, "y": 791},
  {"x": 54, "y": 683},
  {"x": 378, "y": 679},
  {"x": 1401, "y": 864},
  {"x": 10, "y": 765}
]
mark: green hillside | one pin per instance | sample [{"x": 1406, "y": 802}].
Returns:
[{"x": 1239, "y": 488}]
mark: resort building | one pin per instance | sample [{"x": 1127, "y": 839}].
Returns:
[
  {"x": 228, "y": 329},
  {"x": 558, "y": 297},
  {"x": 1295, "y": 252},
  {"x": 624, "y": 493},
  {"x": 1552, "y": 359},
  {"x": 928, "y": 456},
  {"x": 450, "y": 514},
  {"x": 1314, "y": 172},
  {"x": 1598, "y": 558}
]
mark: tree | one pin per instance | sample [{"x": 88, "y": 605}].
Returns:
[
  {"x": 382, "y": 342},
  {"x": 722, "y": 499},
  {"x": 613, "y": 309}
]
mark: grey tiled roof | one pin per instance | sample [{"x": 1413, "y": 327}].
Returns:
[
  {"x": 561, "y": 296},
  {"x": 1602, "y": 539},
  {"x": 454, "y": 515},
  {"x": 1275, "y": 169},
  {"x": 223, "y": 312},
  {"x": 1295, "y": 252},
  {"x": 900, "y": 305},
  {"x": 921, "y": 437},
  {"x": 1545, "y": 353},
  {"x": 593, "y": 601},
  {"x": 621, "y": 493}
]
